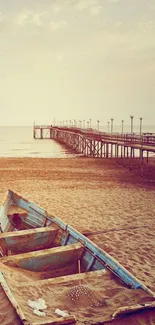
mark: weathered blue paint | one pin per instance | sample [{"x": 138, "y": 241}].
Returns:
[
  {"x": 91, "y": 262},
  {"x": 48, "y": 260},
  {"x": 71, "y": 240},
  {"x": 86, "y": 258},
  {"x": 33, "y": 221},
  {"x": 64, "y": 238},
  {"x": 97, "y": 265},
  {"x": 27, "y": 205},
  {"x": 27, "y": 241},
  {"x": 59, "y": 222}
]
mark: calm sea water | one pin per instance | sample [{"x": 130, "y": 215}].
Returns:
[{"x": 19, "y": 142}]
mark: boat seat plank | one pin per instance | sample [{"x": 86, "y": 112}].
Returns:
[
  {"x": 66, "y": 279},
  {"x": 46, "y": 260},
  {"x": 23, "y": 241}
]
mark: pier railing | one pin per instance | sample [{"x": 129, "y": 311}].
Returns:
[{"x": 98, "y": 135}]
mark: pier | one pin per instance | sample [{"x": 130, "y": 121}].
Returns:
[{"x": 93, "y": 143}]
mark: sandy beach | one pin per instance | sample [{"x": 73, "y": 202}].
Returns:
[{"x": 114, "y": 206}]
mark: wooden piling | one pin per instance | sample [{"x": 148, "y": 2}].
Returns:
[
  {"x": 41, "y": 133},
  {"x": 121, "y": 151},
  {"x": 141, "y": 164},
  {"x": 131, "y": 153},
  {"x": 124, "y": 157},
  {"x": 107, "y": 150}
]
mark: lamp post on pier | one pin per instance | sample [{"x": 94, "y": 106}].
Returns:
[
  {"x": 112, "y": 120},
  {"x": 98, "y": 124},
  {"x": 90, "y": 122},
  {"x": 87, "y": 124},
  {"x": 141, "y": 119},
  {"x": 132, "y": 117},
  {"x": 108, "y": 126},
  {"x": 122, "y": 126}
]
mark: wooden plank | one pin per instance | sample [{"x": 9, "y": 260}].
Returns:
[
  {"x": 132, "y": 309},
  {"x": 26, "y": 232},
  {"x": 66, "y": 279},
  {"x": 60, "y": 321},
  {"x": 12, "y": 299},
  {"x": 46, "y": 260},
  {"x": 27, "y": 240}
]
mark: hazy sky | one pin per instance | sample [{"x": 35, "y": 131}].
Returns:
[{"x": 77, "y": 59}]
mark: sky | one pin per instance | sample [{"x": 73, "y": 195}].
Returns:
[{"x": 77, "y": 59}]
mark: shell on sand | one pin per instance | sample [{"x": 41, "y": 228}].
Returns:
[{"x": 82, "y": 295}]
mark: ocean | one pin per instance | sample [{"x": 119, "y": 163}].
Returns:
[{"x": 17, "y": 141}]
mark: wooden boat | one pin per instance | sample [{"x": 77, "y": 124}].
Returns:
[{"x": 32, "y": 240}]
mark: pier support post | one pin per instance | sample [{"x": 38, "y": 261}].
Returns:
[
  {"x": 34, "y": 132},
  {"x": 99, "y": 149},
  {"x": 127, "y": 152},
  {"x": 51, "y": 132},
  {"x": 142, "y": 164},
  {"x": 121, "y": 151},
  {"x": 131, "y": 152},
  {"x": 101, "y": 154},
  {"x": 88, "y": 149},
  {"x": 124, "y": 156},
  {"x": 107, "y": 150},
  {"x": 93, "y": 148},
  {"x": 104, "y": 150},
  {"x": 117, "y": 151},
  {"x": 111, "y": 150}
]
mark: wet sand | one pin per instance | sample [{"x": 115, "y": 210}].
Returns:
[{"x": 93, "y": 196}]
